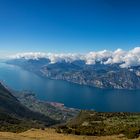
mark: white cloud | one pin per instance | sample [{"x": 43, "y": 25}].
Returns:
[
  {"x": 124, "y": 58},
  {"x": 29, "y": 55},
  {"x": 93, "y": 57}
]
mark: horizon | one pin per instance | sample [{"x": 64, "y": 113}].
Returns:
[{"x": 68, "y": 26}]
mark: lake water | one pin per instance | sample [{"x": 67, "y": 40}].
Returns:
[{"x": 72, "y": 95}]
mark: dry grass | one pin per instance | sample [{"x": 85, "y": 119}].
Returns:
[{"x": 50, "y": 134}]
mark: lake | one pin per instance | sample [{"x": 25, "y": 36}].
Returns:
[{"x": 72, "y": 95}]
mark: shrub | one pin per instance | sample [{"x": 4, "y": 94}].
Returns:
[{"x": 132, "y": 133}]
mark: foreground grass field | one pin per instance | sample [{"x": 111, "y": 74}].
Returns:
[
  {"x": 93, "y": 123},
  {"x": 88, "y": 125},
  {"x": 50, "y": 134}
]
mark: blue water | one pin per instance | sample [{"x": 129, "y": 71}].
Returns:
[{"x": 72, "y": 95}]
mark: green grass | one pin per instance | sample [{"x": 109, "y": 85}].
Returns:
[{"x": 101, "y": 124}]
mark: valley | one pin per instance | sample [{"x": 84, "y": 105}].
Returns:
[
  {"x": 21, "y": 112},
  {"x": 70, "y": 94},
  {"x": 98, "y": 75}
]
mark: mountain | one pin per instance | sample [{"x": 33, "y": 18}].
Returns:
[
  {"x": 16, "y": 117},
  {"x": 96, "y": 75}
]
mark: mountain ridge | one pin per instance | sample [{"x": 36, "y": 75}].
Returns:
[{"x": 95, "y": 75}]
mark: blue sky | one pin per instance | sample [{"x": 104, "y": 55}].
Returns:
[{"x": 68, "y": 25}]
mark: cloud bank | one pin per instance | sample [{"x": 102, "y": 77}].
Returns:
[{"x": 124, "y": 58}]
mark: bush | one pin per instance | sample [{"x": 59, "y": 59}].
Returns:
[{"x": 132, "y": 133}]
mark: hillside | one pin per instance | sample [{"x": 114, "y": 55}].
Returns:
[
  {"x": 50, "y": 134},
  {"x": 103, "y": 124},
  {"x": 54, "y": 110},
  {"x": 96, "y": 75},
  {"x": 16, "y": 117}
]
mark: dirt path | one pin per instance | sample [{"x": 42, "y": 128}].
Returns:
[{"x": 50, "y": 134}]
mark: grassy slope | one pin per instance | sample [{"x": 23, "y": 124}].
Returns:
[
  {"x": 50, "y": 134},
  {"x": 101, "y": 124}
]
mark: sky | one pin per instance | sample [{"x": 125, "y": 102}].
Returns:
[{"x": 68, "y": 25}]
